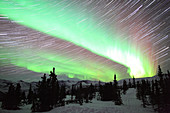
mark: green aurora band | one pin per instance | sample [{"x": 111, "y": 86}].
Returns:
[{"x": 67, "y": 22}]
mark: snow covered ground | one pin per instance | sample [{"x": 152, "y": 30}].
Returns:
[{"x": 131, "y": 105}]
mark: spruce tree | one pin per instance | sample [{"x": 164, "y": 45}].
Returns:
[
  {"x": 80, "y": 99},
  {"x": 91, "y": 91},
  {"x": 30, "y": 95},
  {"x": 138, "y": 94},
  {"x": 115, "y": 82},
  {"x": 18, "y": 94},
  {"x": 118, "y": 100},
  {"x": 152, "y": 95},
  {"x": 168, "y": 73},
  {"x": 143, "y": 92},
  {"x": 125, "y": 87},
  {"x": 160, "y": 74},
  {"x": 72, "y": 92},
  {"x": 134, "y": 83},
  {"x": 62, "y": 94},
  {"x": 86, "y": 94},
  {"x": 157, "y": 94},
  {"x": 130, "y": 84},
  {"x": 10, "y": 100},
  {"x": 23, "y": 97},
  {"x": 49, "y": 93},
  {"x": 100, "y": 91},
  {"x": 54, "y": 88}
]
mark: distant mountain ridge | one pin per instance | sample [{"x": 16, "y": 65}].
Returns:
[{"x": 4, "y": 84}]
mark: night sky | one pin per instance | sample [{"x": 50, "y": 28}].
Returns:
[{"x": 84, "y": 39}]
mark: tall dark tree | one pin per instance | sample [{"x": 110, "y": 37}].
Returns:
[
  {"x": 152, "y": 95},
  {"x": 107, "y": 92},
  {"x": 157, "y": 94},
  {"x": 54, "y": 88},
  {"x": 79, "y": 94},
  {"x": 49, "y": 94},
  {"x": 115, "y": 82},
  {"x": 143, "y": 92},
  {"x": 134, "y": 83},
  {"x": 30, "y": 95},
  {"x": 72, "y": 92},
  {"x": 138, "y": 94},
  {"x": 118, "y": 100},
  {"x": 114, "y": 89},
  {"x": 10, "y": 100},
  {"x": 23, "y": 97},
  {"x": 100, "y": 96},
  {"x": 130, "y": 84},
  {"x": 168, "y": 73},
  {"x": 91, "y": 91},
  {"x": 62, "y": 94},
  {"x": 160, "y": 74},
  {"x": 86, "y": 94},
  {"x": 18, "y": 94},
  {"x": 125, "y": 87}
]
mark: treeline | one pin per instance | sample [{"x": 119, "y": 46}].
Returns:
[
  {"x": 13, "y": 98},
  {"x": 80, "y": 94},
  {"x": 107, "y": 92},
  {"x": 110, "y": 92},
  {"x": 46, "y": 96},
  {"x": 156, "y": 92},
  {"x": 49, "y": 94}
]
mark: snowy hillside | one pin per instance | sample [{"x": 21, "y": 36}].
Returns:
[
  {"x": 131, "y": 105},
  {"x": 4, "y": 85}
]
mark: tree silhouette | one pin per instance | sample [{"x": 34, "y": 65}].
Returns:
[
  {"x": 72, "y": 92},
  {"x": 30, "y": 95},
  {"x": 18, "y": 94},
  {"x": 23, "y": 97},
  {"x": 91, "y": 91},
  {"x": 11, "y": 100},
  {"x": 158, "y": 92},
  {"x": 138, "y": 94},
  {"x": 62, "y": 95},
  {"x": 49, "y": 93},
  {"x": 134, "y": 83},
  {"x": 130, "y": 84},
  {"x": 160, "y": 72},
  {"x": 125, "y": 87}
]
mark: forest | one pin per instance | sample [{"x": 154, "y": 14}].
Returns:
[{"x": 49, "y": 94}]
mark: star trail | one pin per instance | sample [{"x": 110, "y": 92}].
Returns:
[{"x": 84, "y": 39}]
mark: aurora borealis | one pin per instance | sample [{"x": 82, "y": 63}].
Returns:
[{"x": 85, "y": 39}]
